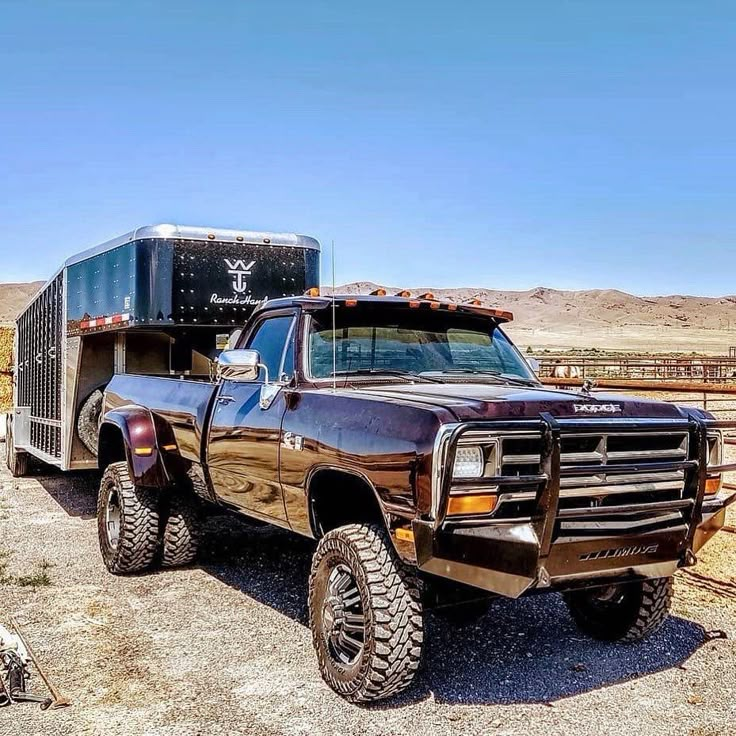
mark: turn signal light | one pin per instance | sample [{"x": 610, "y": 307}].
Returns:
[
  {"x": 471, "y": 503},
  {"x": 713, "y": 485},
  {"x": 143, "y": 451},
  {"x": 404, "y": 534}
]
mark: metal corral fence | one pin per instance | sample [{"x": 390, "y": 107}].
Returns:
[
  {"x": 717, "y": 398},
  {"x": 641, "y": 367}
]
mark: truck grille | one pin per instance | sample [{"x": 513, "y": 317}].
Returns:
[{"x": 600, "y": 453}]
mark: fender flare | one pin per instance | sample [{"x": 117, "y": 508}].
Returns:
[{"x": 140, "y": 441}]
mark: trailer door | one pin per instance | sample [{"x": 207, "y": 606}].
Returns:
[{"x": 244, "y": 440}]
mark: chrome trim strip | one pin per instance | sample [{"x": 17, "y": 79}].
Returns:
[{"x": 618, "y": 526}]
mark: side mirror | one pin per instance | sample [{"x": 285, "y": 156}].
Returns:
[
  {"x": 533, "y": 364},
  {"x": 239, "y": 365}
]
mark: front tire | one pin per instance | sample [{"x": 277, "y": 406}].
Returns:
[
  {"x": 622, "y": 612},
  {"x": 127, "y": 522},
  {"x": 365, "y": 613}
]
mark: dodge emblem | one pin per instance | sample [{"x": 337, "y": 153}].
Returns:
[{"x": 597, "y": 408}]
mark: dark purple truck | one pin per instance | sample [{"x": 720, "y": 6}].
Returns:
[{"x": 412, "y": 440}]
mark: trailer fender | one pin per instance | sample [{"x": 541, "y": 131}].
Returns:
[{"x": 134, "y": 428}]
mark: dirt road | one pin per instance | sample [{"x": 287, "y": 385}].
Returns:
[{"x": 222, "y": 647}]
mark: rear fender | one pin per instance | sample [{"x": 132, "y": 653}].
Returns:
[{"x": 137, "y": 427}]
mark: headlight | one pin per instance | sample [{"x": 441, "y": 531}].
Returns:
[
  {"x": 715, "y": 457},
  {"x": 468, "y": 462}
]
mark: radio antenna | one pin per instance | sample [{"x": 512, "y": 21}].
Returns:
[{"x": 334, "y": 325}]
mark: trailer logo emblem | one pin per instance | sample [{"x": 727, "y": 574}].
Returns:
[
  {"x": 597, "y": 408},
  {"x": 239, "y": 270}
]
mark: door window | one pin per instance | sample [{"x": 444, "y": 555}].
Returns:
[{"x": 270, "y": 340}]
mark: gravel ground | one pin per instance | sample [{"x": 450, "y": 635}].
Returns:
[{"x": 223, "y": 647}]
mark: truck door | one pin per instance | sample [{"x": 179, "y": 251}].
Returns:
[{"x": 243, "y": 447}]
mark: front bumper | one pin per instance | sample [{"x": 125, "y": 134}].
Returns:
[{"x": 512, "y": 558}]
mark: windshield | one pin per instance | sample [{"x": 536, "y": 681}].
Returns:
[{"x": 372, "y": 339}]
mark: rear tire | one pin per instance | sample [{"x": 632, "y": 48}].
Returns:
[
  {"x": 17, "y": 462},
  {"x": 181, "y": 533},
  {"x": 365, "y": 613},
  {"x": 623, "y": 612},
  {"x": 127, "y": 522}
]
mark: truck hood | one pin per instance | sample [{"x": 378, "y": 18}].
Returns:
[{"x": 473, "y": 401}]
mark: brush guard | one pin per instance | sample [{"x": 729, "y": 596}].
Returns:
[{"x": 512, "y": 557}]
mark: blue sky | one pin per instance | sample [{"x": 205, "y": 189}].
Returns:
[{"x": 583, "y": 144}]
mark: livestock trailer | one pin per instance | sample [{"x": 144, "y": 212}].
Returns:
[{"x": 160, "y": 300}]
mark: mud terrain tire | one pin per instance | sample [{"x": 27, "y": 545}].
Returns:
[
  {"x": 127, "y": 522},
  {"x": 624, "y": 612},
  {"x": 181, "y": 533},
  {"x": 356, "y": 574}
]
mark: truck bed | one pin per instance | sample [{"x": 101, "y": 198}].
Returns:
[{"x": 181, "y": 403}]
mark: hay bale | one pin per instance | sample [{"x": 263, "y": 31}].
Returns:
[
  {"x": 6, "y": 394},
  {"x": 6, "y": 363},
  {"x": 6, "y": 348}
]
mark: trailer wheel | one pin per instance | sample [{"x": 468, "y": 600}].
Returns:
[
  {"x": 88, "y": 421},
  {"x": 365, "y": 613},
  {"x": 127, "y": 522},
  {"x": 17, "y": 462},
  {"x": 626, "y": 612},
  {"x": 181, "y": 533}
]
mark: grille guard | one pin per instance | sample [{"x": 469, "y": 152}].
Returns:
[{"x": 546, "y": 510}]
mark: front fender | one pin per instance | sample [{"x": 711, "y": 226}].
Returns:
[{"x": 140, "y": 440}]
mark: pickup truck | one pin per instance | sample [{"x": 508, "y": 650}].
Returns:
[{"x": 411, "y": 439}]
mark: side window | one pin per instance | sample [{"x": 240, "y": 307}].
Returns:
[{"x": 269, "y": 340}]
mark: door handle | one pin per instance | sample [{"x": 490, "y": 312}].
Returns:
[{"x": 225, "y": 399}]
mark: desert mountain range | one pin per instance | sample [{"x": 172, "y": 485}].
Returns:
[
  {"x": 551, "y": 318},
  {"x": 13, "y": 297}
]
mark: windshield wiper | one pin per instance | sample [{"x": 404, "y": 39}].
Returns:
[
  {"x": 388, "y": 372},
  {"x": 514, "y": 380}
]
